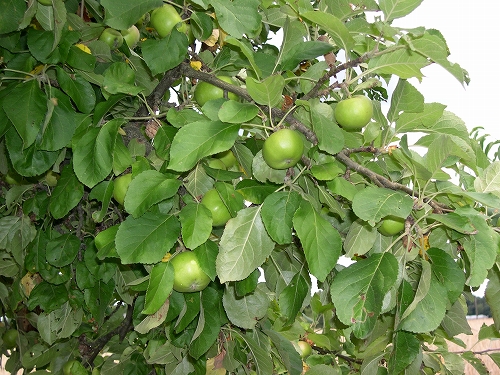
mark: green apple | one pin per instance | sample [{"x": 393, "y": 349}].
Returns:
[
  {"x": 113, "y": 38},
  {"x": 283, "y": 149},
  {"x": 188, "y": 274},
  {"x": 205, "y": 91},
  {"x": 120, "y": 187},
  {"x": 391, "y": 225},
  {"x": 354, "y": 113},
  {"x": 10, "y": 338},
  {"x": 164, "y": 19},
  {"x": 220, "y": 213},
  {"x": 131, "y": 36}
]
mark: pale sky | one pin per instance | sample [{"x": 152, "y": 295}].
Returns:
[{"x": 472, "y": 31}]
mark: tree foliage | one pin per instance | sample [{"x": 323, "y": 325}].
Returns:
[{"x": 86, "y": 278}]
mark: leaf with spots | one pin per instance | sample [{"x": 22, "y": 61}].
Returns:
[{"x": 358, "y": 291}]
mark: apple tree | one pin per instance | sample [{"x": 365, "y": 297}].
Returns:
[{"x": 240, "y": 187}]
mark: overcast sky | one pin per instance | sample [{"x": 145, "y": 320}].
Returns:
[{"x": 472, "y": 31}]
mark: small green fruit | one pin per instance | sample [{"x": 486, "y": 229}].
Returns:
[
  {"x": 205, "y": 91},
  {"x": 164, "y": 19},
  {"x": 220, "y": 213},
  {"x": 188, "y": 274},
  {"x": 131, "y": 36},
  {"x": 391, "y": 225},
  {"x": 283, "y": 149},
  {"x": 10, "y": 338},
  {"x": 227, "y": 157},
  {"x": 113, "y": 38},
  {"x": 120, "y": 187},
  {"x": 305, "y": 349},
  {"x": 354, "y": 113}
]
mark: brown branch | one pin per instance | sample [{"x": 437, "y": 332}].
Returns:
[
  {"x": 336, "y": 354},
  {"x": 479, "y": 352},
  {"x": 381, "y": 181},
  {"x": 334, "y": 70},
  {"x": 99, "y": 344}
]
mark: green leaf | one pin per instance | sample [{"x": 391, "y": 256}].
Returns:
[
  {"x": 267, "y": 92},
  {"x": 481, "y": 248},
  {"x": 488, "y": 180},
  {"x": 153, "y": 50},
  {"x": 289, "y": 355},
  {"x": 238, "y": 17},
  {"x": 445, "y": 149},
  {"x": 93, "y": 153},
  {"x": 67, "y": 193},
  {"x": 398, "y": 8},
  {"x": 211, "y": 310},
  {"x": 105, "y": 242},
  {"x": 405, "y": 350},
  {"x": 358, "y": 291},
  {"x": 428, "y": 308},
  {"x": 196, "y": 225},
  {"x": 57, "y": 133},
  {"x": 292, "y": 297},
  {"x": 329, "y": 134},
  {"x": 492, "y": 295},
  {"x": 249, "y": 54},
  {"x": 161, "y": 282},
  {"x": 455, "y": 320},
  {"x": 12, "y": 13},
  {"x": 244, "y": 246},
  {"x": 199, "y": 139},
  {"x": 420, "y": 121},
  {"x": 153, "y": 320},
  {"x": 60, "y": 323},
  {"x": 372, "y": 204},
  {"x": 148, "y": 188},
  {"x": 99, "y": 298},
  {"x": 29, "y": 161},
  {"x": 245, "y": 311},
  {"x": 119, "y": 78},
  {"x": 405, "y": 98},
  {"x": 277, "y": 214},
  {"x": 234, "y": 112},
  {"x": 304, "y": 51},
  {"x": 400, "y": 62},
  {"x": 26, "y": 107},
  {"x": 434, "y": 47},
  {"x": 321, "y": 241},
  {"x": 322, "y": 369},
  {"x": 476, "y": 362},
  {"x": 146, "y": 239},
  {"x": 335, "y": 28},
  {"x": 121, "y": 15},
  {"x": 207, "y": 255},
  {"x": 248, "y": 285},
  {"x": 454, "y": 221},
  {"x": 48, "y": 297},
  {"x": 360, "y": 239},
  {"x": 63, "y": 250},
  {"x": 201, "y": 25},
  {"x": 448, "y": 272},
  {"x": 254, "y": 191},
  {"x": 82, "y": 61}
]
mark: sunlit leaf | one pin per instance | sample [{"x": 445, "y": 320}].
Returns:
[
  {"x": 244, "y": 246},
  {"x": 358, "y": 291}
]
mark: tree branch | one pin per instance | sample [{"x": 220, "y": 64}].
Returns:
[
  {"x": 381, "y": 181},
  {"x": 99, "y": 344}
]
